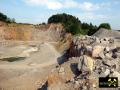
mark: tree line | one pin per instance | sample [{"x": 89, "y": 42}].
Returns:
[
  {"x": 73, "y": 25},
  {"x": 5, "y": 18}
]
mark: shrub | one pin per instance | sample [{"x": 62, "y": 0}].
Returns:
[{"x": 105, "y": 25}]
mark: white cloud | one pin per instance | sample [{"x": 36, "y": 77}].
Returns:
[
  {"x": 89, "y": 6},
  {"x": 92, "y": 16},
  {"x": 49, "y": 3},
  {"x": 54, "y": 5},
  {"x": 35, "y": 2},
  {"x": 70, "y": 4},
  {"x": 59, "y": 4}
]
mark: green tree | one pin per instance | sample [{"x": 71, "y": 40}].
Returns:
[
  {"x": 89, "y": 29},
  {"x": 4, "y": 18},
  {"x": 71, "y": 23},
  {"x": 105, "y": 25},
  {"x": 92, "y": 29}
]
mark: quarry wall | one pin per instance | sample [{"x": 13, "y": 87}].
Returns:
[{"x": 27, "y": 32}]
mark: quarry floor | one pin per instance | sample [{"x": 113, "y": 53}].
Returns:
[{"x": 30, "y": 71}]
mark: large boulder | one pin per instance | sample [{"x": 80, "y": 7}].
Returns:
[
  {"x": 97, "y": 50},
  {"x": 106, "y": 73},
  {"x": 104, "y": 40},
  {"x": 97, "y": 40},
  {"x": 108, "y": 56},
  {"x": 89, "y": 50},
  {"x": 85, "y": 63}
]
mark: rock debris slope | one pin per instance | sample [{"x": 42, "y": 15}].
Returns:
[
  {"x": 107, "y": 33},
  {"x": 89, "y": 58}
]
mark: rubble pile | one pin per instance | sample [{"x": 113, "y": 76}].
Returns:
[
  {"x": 106, "y": 33},
  {"x": 89, "y": 58}
]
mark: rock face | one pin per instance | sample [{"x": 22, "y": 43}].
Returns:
[
  {"x": 50, "y": 32},
  {"x": 26, "y": 32}
]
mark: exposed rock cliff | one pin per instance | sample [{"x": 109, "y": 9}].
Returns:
[{"x": 27, "y": 32}]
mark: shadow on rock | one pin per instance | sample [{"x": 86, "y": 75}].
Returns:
[
  {"x": 63, "y": 58},
  {"x": 44, "y": 87},
  {"x": 74, "y": 69}
]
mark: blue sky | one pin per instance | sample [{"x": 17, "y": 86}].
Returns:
[{"x": 37, "y": 11}]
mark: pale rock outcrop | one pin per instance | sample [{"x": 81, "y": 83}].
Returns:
[
  {"x": 97, "y": 50},
  {"x": 85, "y": 63}
]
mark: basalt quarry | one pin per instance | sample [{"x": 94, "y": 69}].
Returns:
[{"x": 45, "y": 57}]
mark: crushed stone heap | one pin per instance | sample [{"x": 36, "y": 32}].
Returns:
[
  {"x": 106, "y": 33},
  {"x": 89, "y": 58}
]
